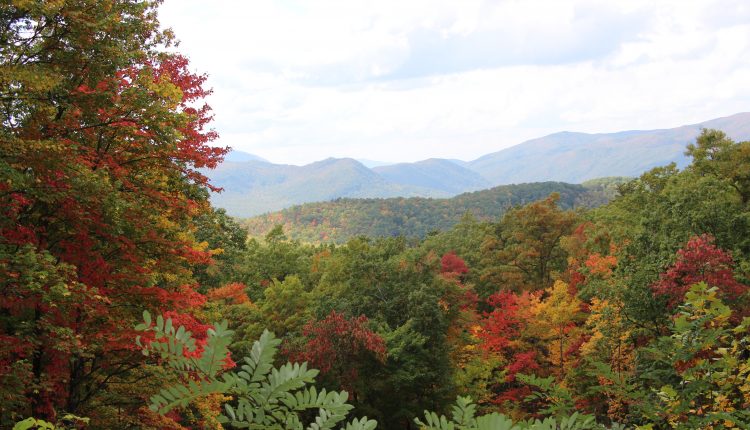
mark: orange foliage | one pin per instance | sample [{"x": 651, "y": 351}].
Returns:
[{"x": 232, "y": 293}]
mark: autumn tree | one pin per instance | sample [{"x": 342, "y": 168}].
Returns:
[
  {"x": 699, "y": 261},
  {"x": 608, "y": 344},
  {"x": 555, "y": 320},
  {"x": 101, "y": 141},
  {"x": 503, "y": 333},
  {"x": 340, "y": 347},
  {"x": 527, "y": 248}
]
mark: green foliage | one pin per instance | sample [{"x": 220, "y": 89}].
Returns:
[
  {"x": 286, "y": 306},
  {"x": 266, "y": 397},
  {"x": 67, "y": 421},
  {"x": 400, "y": 291},
  {"x": 715, "y": 154},
  {"x": 526, "y": 252},
  {"x": 265, "y": 262},
  {"x": 226, "y": 239},
  {"x": 343, "y": 219},
  {"x": 703, "y": 377},
  {"x": 33, "y": 423},
  {"x": 559, "y": 401},
  {"x": 464, "y": 419}
]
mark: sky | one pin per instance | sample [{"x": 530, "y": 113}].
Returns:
[{"x": 300, "y": 81}]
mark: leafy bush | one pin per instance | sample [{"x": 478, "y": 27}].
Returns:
[
  {"x": 464, "y": 419},
  {"x": 264, "y": 397}
]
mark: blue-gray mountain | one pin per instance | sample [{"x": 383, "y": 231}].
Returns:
[
  {"x": 438, "y": 174},
  {"x": 577, "y": 157},
  {"x": 254, "y": 186}
]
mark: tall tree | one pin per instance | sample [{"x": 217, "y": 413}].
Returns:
[
  {"x": 341, "y": 347},
  {"x": 102, "y": 135},
  {"x": 715, "y": 154},
  {"x": 527, "y": 248},
  {"x": 555, "y": 323}
]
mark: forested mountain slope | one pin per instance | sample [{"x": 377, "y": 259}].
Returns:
[{"x": 342, "y": 219}]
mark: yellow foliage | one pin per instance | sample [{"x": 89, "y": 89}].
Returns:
[
  {"x": 609, "y": 336},
  {"x": 209, "y": 408},
  {"x": 555, "y": 321}
]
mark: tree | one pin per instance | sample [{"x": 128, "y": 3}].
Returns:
[
  {"x": 408, "y": 301},
  {"x": 285, "y": 306},
  {"x": 505, "y": 338},
  {"x": 715, "y": 154},
  {"x": 555, "y": 322},
  {"x": 226, "y": 240},
  {"x": 452, "y": 264},
  {"x": 101, "y": 141},
  {"x": 699, "y": 261},
  {"x": 656, "y": 216},
  {"x": 527, "y": 249},
  {"x": 339, "y": 347}
]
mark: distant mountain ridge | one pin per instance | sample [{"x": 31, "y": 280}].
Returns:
[
  {"x": 435, "y": 173},
  {"x": 254, "y": 186},
  {"x": 577, "y": 157}
]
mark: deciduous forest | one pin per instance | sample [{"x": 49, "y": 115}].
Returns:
[{"x": 128, "y": 302}]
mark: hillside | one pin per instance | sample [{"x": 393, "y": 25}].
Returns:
[
  {"x": 254, "y": 186},
  {"x": 342, "y": 219}
]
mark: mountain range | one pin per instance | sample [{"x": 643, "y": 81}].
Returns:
[{"x": 254, "y": 186}]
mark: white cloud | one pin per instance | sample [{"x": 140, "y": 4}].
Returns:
[{"x": 297, "y": 81}]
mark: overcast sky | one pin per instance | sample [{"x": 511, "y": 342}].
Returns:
[{"x": 299, "y": 81}]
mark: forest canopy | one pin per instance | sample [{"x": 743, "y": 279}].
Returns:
[{"x": 128, "y": 302}]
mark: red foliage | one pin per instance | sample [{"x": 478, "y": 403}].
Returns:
[
  {"x": 501, "y": 325},
  {"x": 100, "y": 197},
  {"x": 523, "y": 362},
  {"x": 194, "y": 326},
  {"x": 574, "y": 349},
  {"x": 699, "y": 261},
  {"x": 451, "y": 263},
  {"x": 515, "y": 394},
  {"x": 337, "y": 345},
  {"x": 452, "y": 268}
]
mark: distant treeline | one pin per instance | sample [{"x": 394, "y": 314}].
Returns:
[{"x": 341, "y": 219}]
